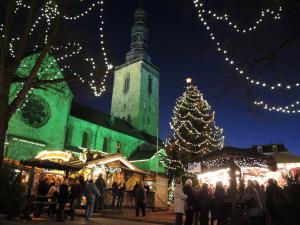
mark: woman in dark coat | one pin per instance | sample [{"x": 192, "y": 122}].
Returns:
[
  {"x": 204, "y": 200},
  {"x": 63, "y": 198},
  {"x": 75, "y": 195},
  {"x": 189, "y": 211},
  {"x": 140, "y": 198},
  {"x": 218, "y": 206}
]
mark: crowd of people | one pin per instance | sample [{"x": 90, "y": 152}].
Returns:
[
  {"x": 57, "y": 193},
  {"x": 210, "y": 205}
]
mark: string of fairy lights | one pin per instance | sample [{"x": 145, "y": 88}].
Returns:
[
  {"x": 48, "y": 13},
  {"x": 232, "y": 62}
]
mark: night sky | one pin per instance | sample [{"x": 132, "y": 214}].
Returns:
[{"x": 180, "y": 47}]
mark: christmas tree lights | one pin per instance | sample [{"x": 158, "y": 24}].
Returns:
[{"x": 195, "y": 132}]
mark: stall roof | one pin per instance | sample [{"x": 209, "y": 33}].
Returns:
[
  {"x": 113, "y": 158},
  {"x": 50, "y": 165},
  {"x": 286, "y": 157},
  {"x": 225, "y": 156}
]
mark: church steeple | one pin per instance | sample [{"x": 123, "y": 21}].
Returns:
[
  {"x": 139, "y": 36},
  {"x": 136, "y": 83}
]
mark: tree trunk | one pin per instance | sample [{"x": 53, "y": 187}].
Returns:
[{"x": 4, "y": 96}]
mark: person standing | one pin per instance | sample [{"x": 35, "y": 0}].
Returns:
[
  {"x": 253, "y": 204},
  {"x": 204, "y": 200},
  {"x": 63, "y": 198},
  {"x": 179, "y": 201},
  {"x": 115, "y": 192},
  {"x": 218, "y": 206},
  {"x": 82, "y": 183},
  {"x": 121, "y": 195},
  {"x": 100, "y": 183},
  {"x": 91, "y": 193},
  {"x": 53, "y": 195},
  {"x": 189, "y": 211},
  {"x": 75, "y": 194},
  {"x": 274, "y": 202},
  {"x": 42, "y": 191},
  {"x": 140, "y": 199},
  {"x": 196, "y": 204}
]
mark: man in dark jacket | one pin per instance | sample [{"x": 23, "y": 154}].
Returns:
[
  {"x": 100, "y": 184},
  {"x": 42, "y": 191},
  {"x": 75, "y": 193},
  {"x": 121, "y": 195},
  {"x": 218, "y": 206},
  {"x": 91, "y": 193},
  {"x": 274, "y": 202},
  {"x": 188, "y": 191},
  {"x": 115, "y": 193},
  {"x": 63, "y": 198},
  {"x": 204, "y": 200},
  {"x": 140, "y": 199}
]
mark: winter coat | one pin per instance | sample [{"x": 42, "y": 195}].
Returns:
[
  {"x": 63, "y": 195},
  {"x": 275, "y": 201},
  {"x": 115, "y": 188},
  {"x": 140, "y": 195},
  {"x": 179, "y": 199},
  {"x": 100, "y": 183},
  {"x": 218, "y": 206},
  {"x": 75, "y": 191},
  {"x": 256, "y": 210},
  {"x": 53, "y": 192},
  {"x": 188, "y": 190},
  {"x": 43, "y": 188},
  {"x": 205, "y": 201},
  {"x": 90, "y": 192}
]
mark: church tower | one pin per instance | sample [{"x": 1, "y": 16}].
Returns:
[{"x": 136, "y": 83}]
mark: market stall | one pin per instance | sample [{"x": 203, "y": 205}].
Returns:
[{"x": 229, "y": 163}]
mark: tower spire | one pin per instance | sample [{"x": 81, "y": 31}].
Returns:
[
  {"x": 141, "y": 4},
  {"x": 139, "y": 35}
]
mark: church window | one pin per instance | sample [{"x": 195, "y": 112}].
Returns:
[
  {"x": 126, "y": 83},
  {"x": 85, "y": 140},
  {"x": 69, "y": 133},
  {"x": 129, "y": 118},
  {"x": 150, "y": 81},
  {"x": 148, "y": 121},
  {"x": 105, "y": 144},
  {"x": 124, "y": 106},
  {"x": 35, "y": 112}
]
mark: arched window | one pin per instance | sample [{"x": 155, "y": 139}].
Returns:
[
  {"x": 68, "y": 137},
  {"x": 85, "y": 140},
  {"x": 105, "y": 144},
  {"x": 126, "y": 83},
  {"x": 150, "y": 81},
  {"x": 129, "y": 118}
]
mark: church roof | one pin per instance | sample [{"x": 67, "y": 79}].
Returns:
[
  {"x": 143, "y": 154},
  {"x": 105, "y": 120}
]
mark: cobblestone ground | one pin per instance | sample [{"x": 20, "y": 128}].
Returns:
[
  {"x": 107, "y": 217},
  {"x": 159, "y": 217},
  {"x": 78, "y": 221}
]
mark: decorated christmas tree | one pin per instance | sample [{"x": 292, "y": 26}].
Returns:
[{"x": 195, "y": 132}]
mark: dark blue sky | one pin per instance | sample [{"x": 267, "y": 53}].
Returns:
[{"x": 180, "y": 47}]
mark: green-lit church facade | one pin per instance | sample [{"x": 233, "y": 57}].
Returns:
[{"x": 49, "y": 119}]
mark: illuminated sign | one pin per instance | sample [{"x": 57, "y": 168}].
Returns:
[{"x": 54, "y": 155}]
